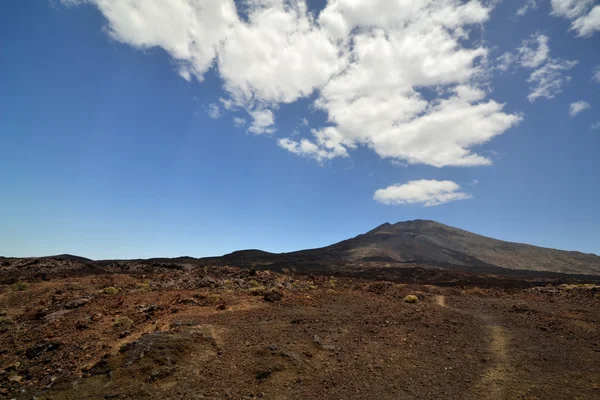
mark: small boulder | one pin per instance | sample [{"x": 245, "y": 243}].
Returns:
[
  {"x": 273, "y": 295},
  {"x": 42, "y": 348},
  {"x": 76, "y": 303}
]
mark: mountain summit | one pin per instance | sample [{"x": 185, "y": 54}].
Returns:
[{"x": 423, "y": 241}]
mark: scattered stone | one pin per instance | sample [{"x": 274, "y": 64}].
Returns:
[
  {"x": 102, "y": 367},
  {"x": 319, "y": 343},
  {"x": 273, "y": 295},
  {"x": 82, "y": 325},
  {"x": 42, "y": 348},
  {"x": 76, "y": 303}
]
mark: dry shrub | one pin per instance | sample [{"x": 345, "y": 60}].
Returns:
[{"x": 111, "y": 290}]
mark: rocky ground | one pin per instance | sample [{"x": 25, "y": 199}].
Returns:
[{"x": 169, "y": 331}]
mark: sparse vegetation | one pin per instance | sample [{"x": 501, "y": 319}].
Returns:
[
  {"x": 214, "y": 299},
  {"x": 123, "y": 322},
  {"x": 4, "y": 324},
  {"x": 144, "y": 286},
  {"x": 257, "y": 291},
  {"x": 411, "y": 299},
  {"x": 111, "y": 290},
  {"x": 19, "y": 286},
  {"x": 253, "y": 283},
  {"x": 273, "y": 295}
]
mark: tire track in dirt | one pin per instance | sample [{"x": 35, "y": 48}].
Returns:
[{"x": 493, "y": 381}]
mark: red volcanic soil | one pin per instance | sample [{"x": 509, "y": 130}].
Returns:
[{"x": 178, "y": 331}]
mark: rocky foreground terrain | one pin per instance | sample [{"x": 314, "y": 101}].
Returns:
[{"x": 188, "y": 329}]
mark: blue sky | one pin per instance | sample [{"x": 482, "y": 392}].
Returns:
[{"x": 185, "y": 128}]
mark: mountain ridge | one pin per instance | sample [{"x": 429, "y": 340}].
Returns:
[
  {"x": 419, "y": 242},
  {"x": 434, "y": 242}
]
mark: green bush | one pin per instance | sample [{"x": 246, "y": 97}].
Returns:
[
  {"x": 214, "y": 299},
  {"x": 123, "y": 322},
  {"x": 257, "y": 291},
  {"x": 144, "y": 286},
  {"x": 19, "y": 286},
  {"x": 412, "y": 299},
  {"x": 111, "y": 290}
]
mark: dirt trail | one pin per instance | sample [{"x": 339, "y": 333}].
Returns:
[
  {"x": 440, "y": 301},
  {"x": 493, "y": 381}
]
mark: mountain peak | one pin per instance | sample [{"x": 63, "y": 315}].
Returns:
[{"x": 432, "y": 242}]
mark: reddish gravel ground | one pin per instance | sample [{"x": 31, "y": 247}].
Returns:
[{"x": 229, "y": 333}]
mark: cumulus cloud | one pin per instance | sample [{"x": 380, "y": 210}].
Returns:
[
  {"x": 213, "y": 111},
  {"x": 528, "y": 5},
  {"x": 190, "y": 31},
  {"x": 474, "y": 182},
  {"x": 239, "y": 122},
  {"x": 549, "y": 80},
  {"x": 584, "y": 16},
  {"x": 577, "y": 107},
  {"x": 371, "y": 66},
  {"x": 308, "y": 149},
  {"x": 262, "y": 121},
  {"x": 426, "y": 192}
]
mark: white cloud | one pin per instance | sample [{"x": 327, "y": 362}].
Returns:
[
  {"x": 474, "y": 182},
  {"x": 584, "y": 16},
  {"x": 239, "y": 122},
  {"x": 426, "y": 192},
  {"x": 597, "y": 74},
  {"x": 577, "y": 107},
  {"x": 227, "y": 104},
  {"x": 529, "y": 55},
  {"x": 529, "y": 5},
  {"x": 367, "y": 62},
  {"x": 278, "y": 56},
  {"x": 307, "y": 148},
  {"x": 505, "y": 61},
  {"x": 262, "y": 120},
  {"x": 534, "y": 52},
  {"x": 304, "y": 122},
  {"x": 213, "y": 111},
  {"x": 570, "y": 8},
  {"x": 596, "y": 125},
  {"x": 397, "y": 163},
  {"x": 189, "y": 31},
  {"x": 588, "y": 24},
  {"x": 548, "y": 80}
]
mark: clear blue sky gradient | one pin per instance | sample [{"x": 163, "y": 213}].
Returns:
[{"x": 108, "y": 153}]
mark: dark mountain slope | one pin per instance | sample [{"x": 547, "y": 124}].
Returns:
[{"x": 434, "y": 243}]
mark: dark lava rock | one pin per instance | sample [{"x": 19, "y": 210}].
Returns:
[
  {"x": 42, "y": 348},
  {"x": 102, "y": 367},
  {"x": 273, "y": 295},
  {"x": 76, "y": 303}
]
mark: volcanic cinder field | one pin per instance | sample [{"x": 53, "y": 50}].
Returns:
[{"x": 257, "y": 325}]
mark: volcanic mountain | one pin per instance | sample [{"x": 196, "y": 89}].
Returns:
[{"x": 433, "y": 243}]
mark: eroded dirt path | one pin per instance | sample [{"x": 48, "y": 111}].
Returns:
[{"x": 493, "y": 381}]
